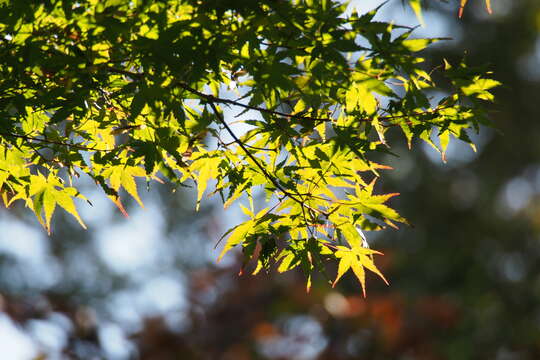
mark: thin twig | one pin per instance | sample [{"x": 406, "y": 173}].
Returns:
[
  {"x": 46, "y": 141},
  {"x": 216, "y": 99},
  {"x": 261, "y": 168}
]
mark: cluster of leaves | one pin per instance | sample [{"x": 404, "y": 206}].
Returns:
[{"x": 116, "y": 90}]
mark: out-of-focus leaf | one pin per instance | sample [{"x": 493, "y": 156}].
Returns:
[{"x": 416, "y": 5}]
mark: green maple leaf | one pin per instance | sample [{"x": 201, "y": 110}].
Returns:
[
  {"x": 48, "y": 192},
  {"x": 357, "y": 258}
]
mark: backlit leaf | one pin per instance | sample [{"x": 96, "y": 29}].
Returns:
[{"x": 416, "y": 5}]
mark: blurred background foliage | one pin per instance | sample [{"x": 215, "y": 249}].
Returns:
[{"x": 465, "y": 279}]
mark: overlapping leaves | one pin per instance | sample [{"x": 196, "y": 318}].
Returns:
[{"x": 118, "y": 90}]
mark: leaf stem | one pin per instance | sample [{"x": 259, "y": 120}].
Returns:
[
  {"x": 257, "y": 163},
  {"x": 46, "y": 141}
]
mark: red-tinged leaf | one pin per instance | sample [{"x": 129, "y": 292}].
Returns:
[
  {"x": 361, "y": 165},
  {"x": 488, "y": 7},
  {"x": 116, "y": 200},
  {"x": 368, "y": 251},
  {"x": 156, "y": 178},
  {"x": 444, "y": 139},
  {"x": 391, "y": 224},
  {"x": 461, "y": 8},
  {"x": 357, "y": 259},
  {"x": 367, "y": 262},
  {"x": 464, "y": 2},
  {"x": 124, "y": 176},
  {"x": 379, "y": 199}
]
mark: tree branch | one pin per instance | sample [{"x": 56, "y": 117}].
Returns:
[
  {"x": 32, "y": 138},
  {"x": 261, "y": 168},
  {"x": 256, "y": 108},
  {"x": 215, "y": 99}
]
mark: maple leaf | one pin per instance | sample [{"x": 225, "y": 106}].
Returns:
[{"x": 357, "y": 258}]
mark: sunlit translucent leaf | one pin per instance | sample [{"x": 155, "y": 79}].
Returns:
[
  {"x": 66, "y": 202},
  {"x": 416, "y": 5},
  {"x": 360, "y": 274},
  {"x": 47, "y": 193},
  {"x": 237, "y": 237},
  {"x": 128, "y": 182},
  {"x": 351, "y": 99},
  {"x": 444, "y": 139},
  {"x": 344, "y": 264},
  {"x": 480, "y": 88},
  {"x": 351, "y": 234},
  {"x": 380, "y": 130},
  {"x": 367, "y": 262},
  {"x": 288, "y": 262},
  {"x": 308, "y": 283},
  {"x": 49, "y": 204},
  {"x": 416, "y": 45},
  {"x": 356, "y": 259},
  {"x": 205, "y": 174},
  {"x": 115, "y": 90},
  {"x": 245, "y": 50},
  {"x": 366, "y": 100}
]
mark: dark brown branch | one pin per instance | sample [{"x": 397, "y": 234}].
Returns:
[
  {"x": 250, "y": 146},
  {"x": 212, "y": 98},
  {"x": 215, "y": 99},
  {"x": 46, "y": 141},
  {"x": 236, "y": 103},
  {"x": 261, "y": 168}
]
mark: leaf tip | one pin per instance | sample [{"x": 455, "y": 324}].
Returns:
[{"x": 119, "y": 205}]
